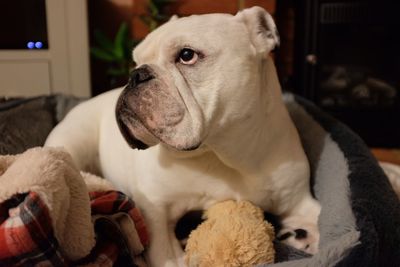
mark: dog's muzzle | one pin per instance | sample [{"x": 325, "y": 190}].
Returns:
[
  {"x": 124, "y": 114},
  {"x": 139, "y": 76},
  {"x": 149, "y": 112}
]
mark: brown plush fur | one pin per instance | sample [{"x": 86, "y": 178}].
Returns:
[{"x": 234, "y": 234}]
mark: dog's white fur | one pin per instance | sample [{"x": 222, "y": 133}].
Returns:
[{"x": 249, "y": 146}]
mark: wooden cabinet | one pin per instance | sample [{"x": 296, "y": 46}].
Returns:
[
  {"x": 24, "y": 77},
  {"x": 63, "y": 67}
]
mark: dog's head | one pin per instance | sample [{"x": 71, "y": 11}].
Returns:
[{"x": 195, "y": 75}]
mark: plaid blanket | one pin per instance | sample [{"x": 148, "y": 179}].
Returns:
[{"x": 27, "y": 237}]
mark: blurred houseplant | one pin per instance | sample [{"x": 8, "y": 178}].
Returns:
[
  {"x": 156, "y": 16},
  {"x": 117, "y": 53}
]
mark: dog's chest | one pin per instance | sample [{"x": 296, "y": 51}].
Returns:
[
  {"x": 196, "y": 182},
  {"x": 182, "y": 184}
]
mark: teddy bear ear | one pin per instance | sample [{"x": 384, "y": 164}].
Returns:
[{"x": 261, "y": 27}]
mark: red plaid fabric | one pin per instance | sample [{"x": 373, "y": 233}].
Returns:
[
  {"x": 26, "y": 233},
  {"x": 111, "y": 202},
  {"x": 27, "y": 237}
]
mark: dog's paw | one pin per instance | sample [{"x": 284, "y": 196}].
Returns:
[{"x": 303, "y": 236}]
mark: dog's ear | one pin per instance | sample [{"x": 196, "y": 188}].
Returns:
[{"x": 261, "y": 27}]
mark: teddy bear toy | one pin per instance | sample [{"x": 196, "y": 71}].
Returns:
[{"x": 233, "y": 234}]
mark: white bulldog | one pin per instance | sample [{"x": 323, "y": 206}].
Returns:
[{"x": 205, "y": 110}]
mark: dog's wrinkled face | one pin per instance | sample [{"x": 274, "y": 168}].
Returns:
[{"x": 194, "y": 76}]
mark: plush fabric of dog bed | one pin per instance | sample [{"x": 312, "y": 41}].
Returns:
[
  {"x": 360, "y": 216},
  {"x": 26, "y": 122}
]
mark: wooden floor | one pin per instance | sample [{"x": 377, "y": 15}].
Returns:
[{"x": 387, "y": 155}]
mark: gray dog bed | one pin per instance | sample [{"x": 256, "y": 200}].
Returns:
[{"x": 360, "y": 217}]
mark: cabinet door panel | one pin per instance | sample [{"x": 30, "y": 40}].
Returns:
[{"x": 24, "y": 78}]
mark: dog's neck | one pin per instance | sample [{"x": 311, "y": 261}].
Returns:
[{"x": 265, "y": 140}]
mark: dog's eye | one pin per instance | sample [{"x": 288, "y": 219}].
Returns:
[{"x": 188, "y": 56}]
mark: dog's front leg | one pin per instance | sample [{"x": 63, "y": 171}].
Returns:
[
  {"x": 164, "y": 249},
  {"x": 300, "y": 227}
]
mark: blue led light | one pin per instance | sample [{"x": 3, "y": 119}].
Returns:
[
  {"x": 30, "y": 45},
  {"x": 38, "y": 45}
]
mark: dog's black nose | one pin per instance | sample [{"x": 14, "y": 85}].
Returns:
[{"x": 140, "y": 75}]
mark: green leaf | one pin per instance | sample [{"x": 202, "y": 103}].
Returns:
[
  {"x": 116, "y": 72},
  {"x": 153, "y": 25},
  {"x": 102, "y": 54},
  {"x": 120, "y": 38},
  {"x": 103, "y": 41},
  {"x": 153, "y": 8},
  {"x": 145, "y": 19}
]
